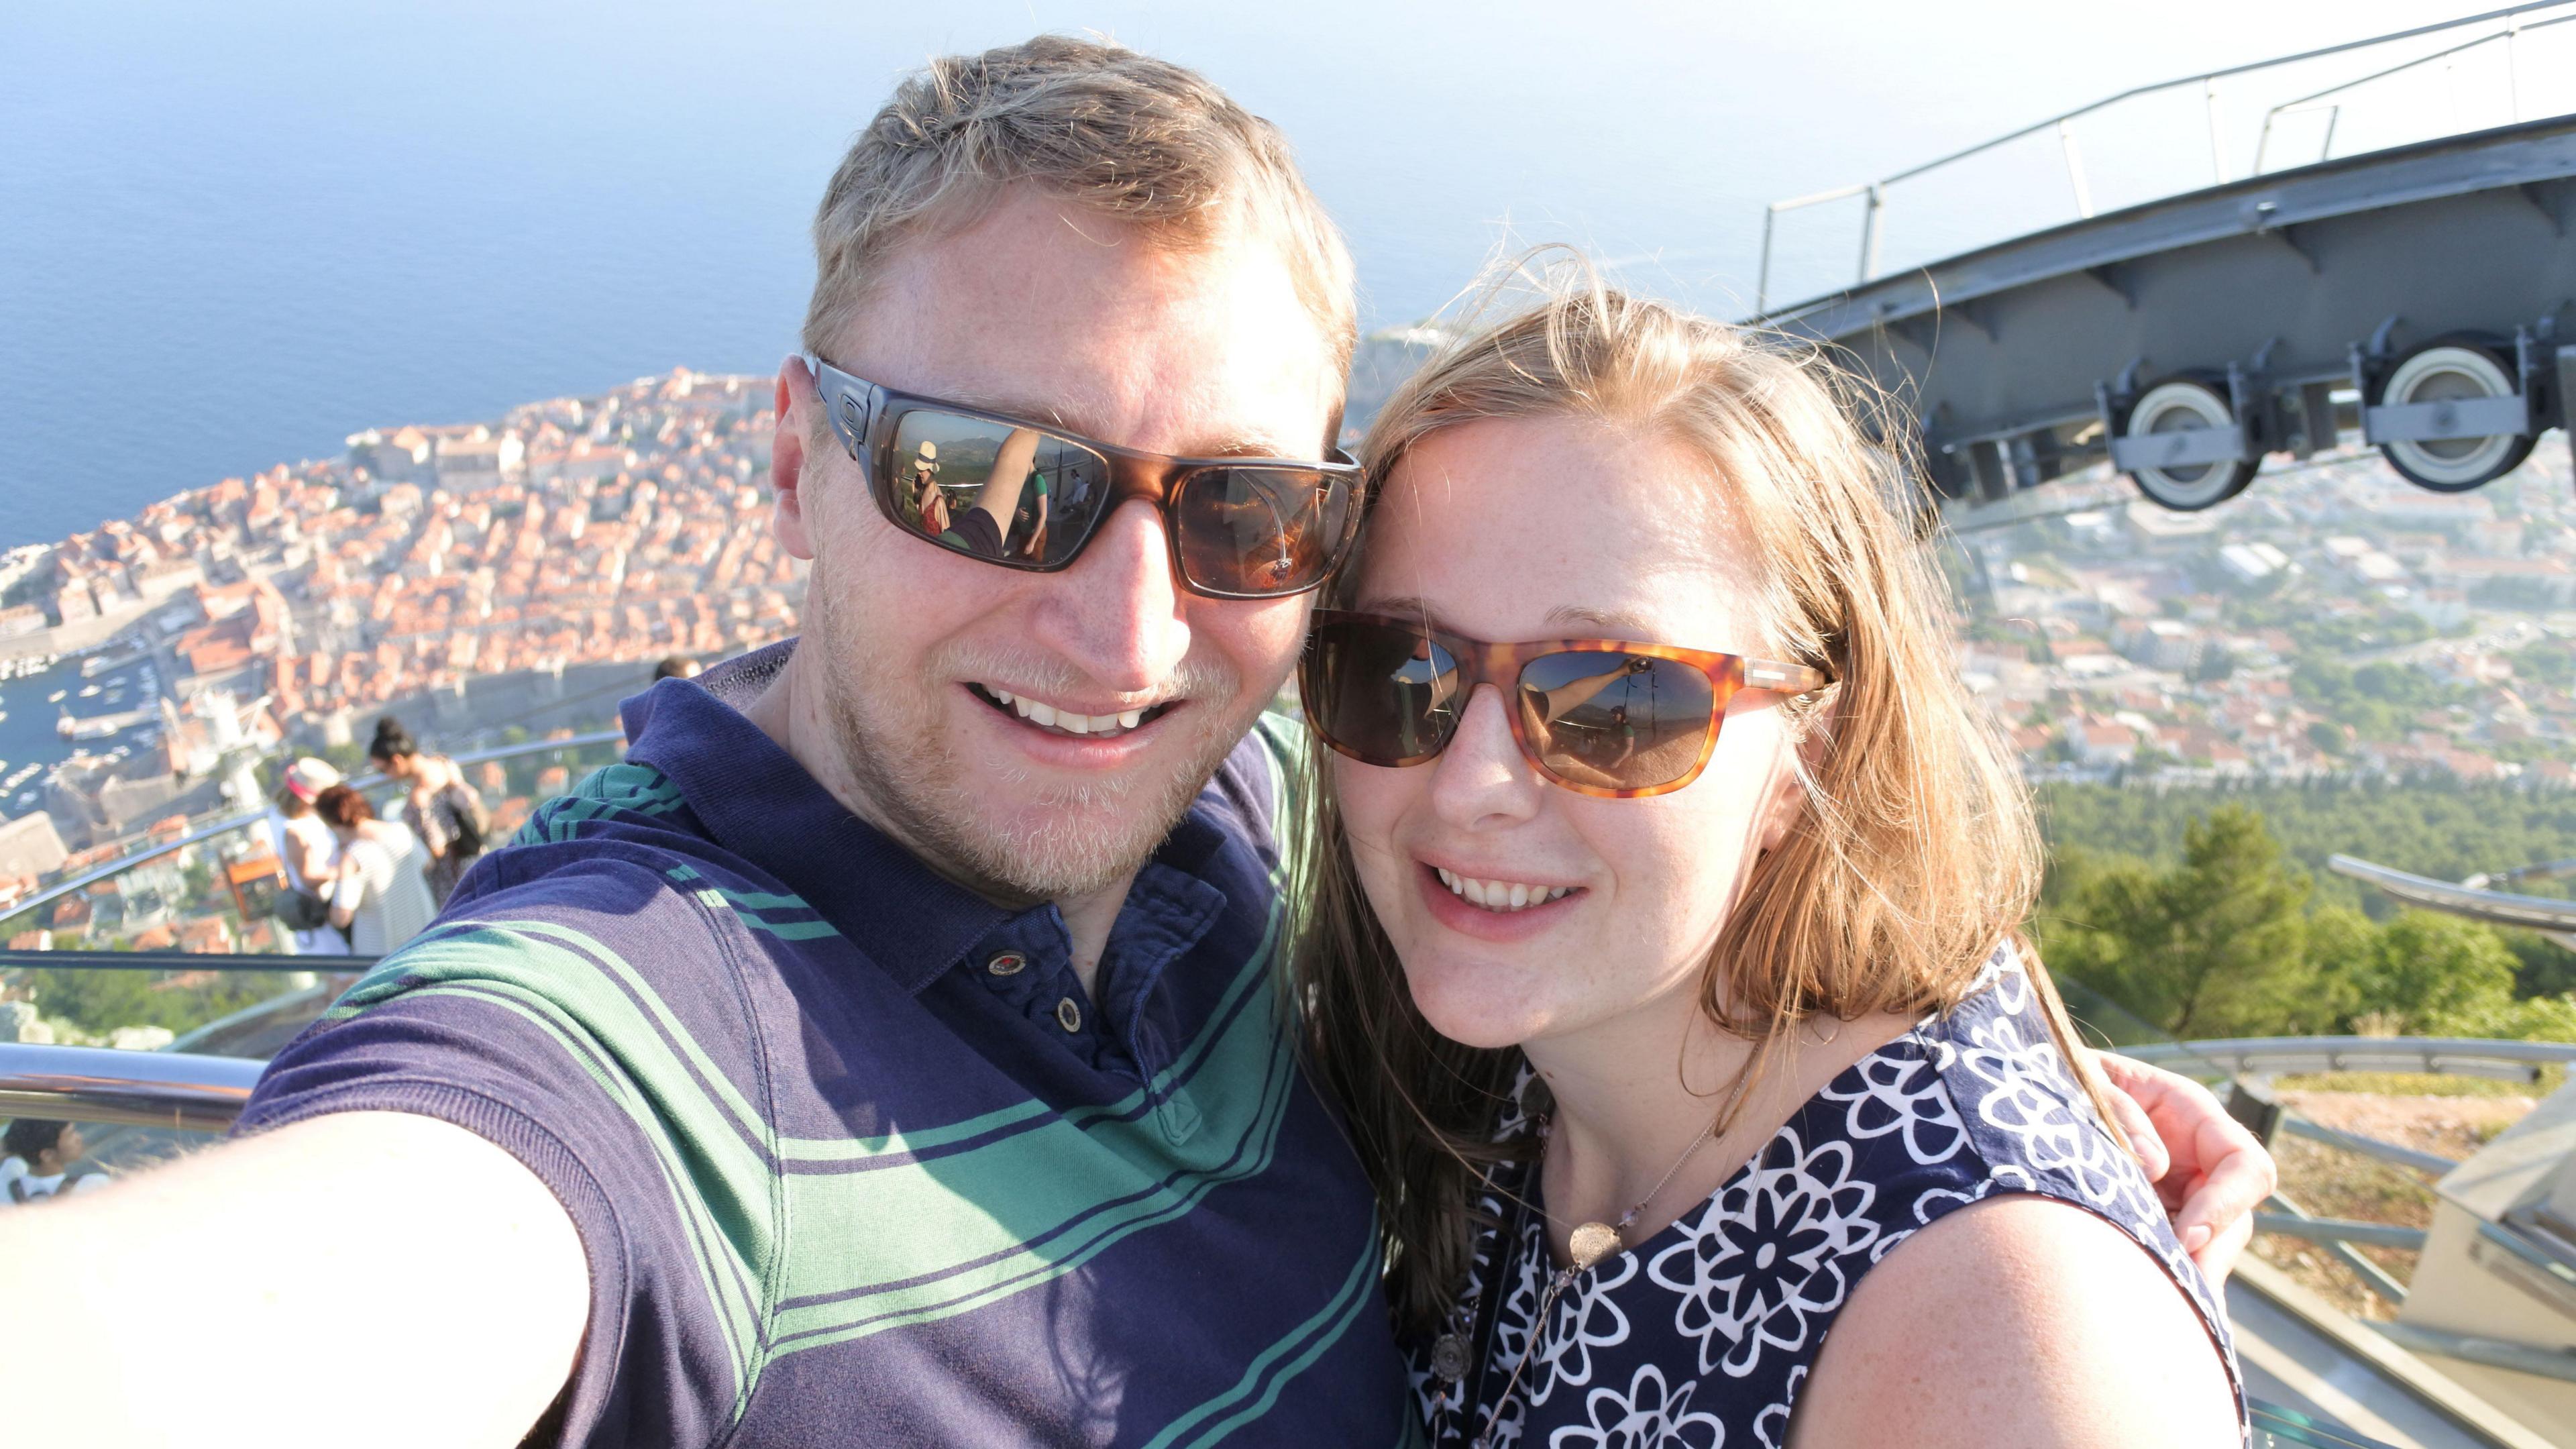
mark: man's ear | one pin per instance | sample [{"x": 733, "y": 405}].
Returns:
[{"x": 787, "y": 458}]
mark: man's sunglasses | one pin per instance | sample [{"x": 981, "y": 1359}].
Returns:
[
  {"x": 1026, "y": 496},
  {"x": 1598, "y": 716}
]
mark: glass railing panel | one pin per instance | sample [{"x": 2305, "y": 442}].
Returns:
[
  {"x": 173, "y": 934},
  {"x": 124, "y": 1111},
  {"x": 2279, "y": 1428}
]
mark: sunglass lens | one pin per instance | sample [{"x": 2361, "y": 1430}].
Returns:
[
  {"x": 1383, "y": 693},
  {"x": 1011, "y": 495},
  {"x": 1261, "y": 532},
  {"x": 1616, "y": 721}
]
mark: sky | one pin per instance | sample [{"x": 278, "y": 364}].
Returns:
[{"x": 230, "y": 235}]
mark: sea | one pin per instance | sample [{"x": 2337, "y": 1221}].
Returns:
[
  {"x": 30, "y": 741},
  {"x": 231, "y": 235}
]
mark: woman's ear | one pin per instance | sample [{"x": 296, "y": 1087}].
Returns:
[
  {"x": 1800, "y": 757},
  {"x": 1780, "y": 809}
]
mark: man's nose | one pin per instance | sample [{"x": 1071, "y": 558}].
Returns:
[{"x": 1117, "y": 613}]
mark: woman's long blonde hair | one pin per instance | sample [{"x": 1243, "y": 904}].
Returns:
[{"x": 1914, "y": 853}]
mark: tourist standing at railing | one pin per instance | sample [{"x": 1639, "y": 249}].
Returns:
[
  {"x": 444, "y": 811},
  {"x": 888, "y": 1051},
  {"x": 308, "y": 849},
  {"x": 379, "y": 896},
  {"x": 40, "y": 1159}
]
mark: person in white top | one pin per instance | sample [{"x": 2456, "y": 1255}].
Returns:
[
  {"x": 310, "y": 852},
  {"x": 378, "y": 895},
  {"x": 43, "y": 1160}
]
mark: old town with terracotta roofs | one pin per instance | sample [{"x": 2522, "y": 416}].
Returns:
[{"x": 462, "y": 578}]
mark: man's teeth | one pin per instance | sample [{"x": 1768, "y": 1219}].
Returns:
[
  {"x": 1496, "y": 895},
  {"x": 1038, "y": 712}
]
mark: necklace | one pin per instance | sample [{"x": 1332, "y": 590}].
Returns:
[{"x": 1588, "y": 1244}]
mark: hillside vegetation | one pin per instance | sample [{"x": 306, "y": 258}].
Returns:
[{"x": 2210, "y": 913}]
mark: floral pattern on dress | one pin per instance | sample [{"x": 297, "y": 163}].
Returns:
[
  {"x": 1764, "y": 1259},
  {"x": 1651, "y": 1413},
  {"x": 1703, "y": 1335}
]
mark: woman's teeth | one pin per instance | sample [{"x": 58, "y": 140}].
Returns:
[
  {"x": 1496, "y": 895},
  {"x": 1037, "y": 712}
]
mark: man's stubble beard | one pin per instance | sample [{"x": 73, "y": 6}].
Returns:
[{"x": 890, "y": 736}]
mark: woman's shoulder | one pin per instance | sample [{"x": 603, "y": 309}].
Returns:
[
  {"x": 2020, "y": 1103},
  {"x": 2019, "y": 1319},
  {"x": 378, "y": 851}
]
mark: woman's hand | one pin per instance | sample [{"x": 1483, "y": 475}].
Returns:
[{"x": 2209, "y": 1171}]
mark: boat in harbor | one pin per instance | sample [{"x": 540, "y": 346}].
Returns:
[
  {"x": 100, "y": 726},
  {"x": 89, "y": 691},
  {"x": 57, "y": 696}
]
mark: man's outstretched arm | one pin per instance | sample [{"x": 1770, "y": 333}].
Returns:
[
  {"x": 365, "y": 1277},
  {"x": 2211, "y": 1172}
]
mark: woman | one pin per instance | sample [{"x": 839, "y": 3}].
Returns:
[
  {"x": 306, "y": 846},
  {"x": 444, "y": 811},
  {"x": 1671, "y": 1048},
  {"x": 379, "y": 897}
]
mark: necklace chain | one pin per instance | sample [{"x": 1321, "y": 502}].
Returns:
[{"x": 1589, "y": 1243}]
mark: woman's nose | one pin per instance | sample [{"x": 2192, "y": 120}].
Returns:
[{"x": 1482, "y": 777}]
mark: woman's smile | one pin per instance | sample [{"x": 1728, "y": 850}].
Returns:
[{"x": 1495, "y": 908}]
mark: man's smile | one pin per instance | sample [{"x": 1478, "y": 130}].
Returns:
[{"x": 1065, "y": 720}]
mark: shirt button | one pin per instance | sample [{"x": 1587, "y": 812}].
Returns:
[
  {"x": 1006, "y": 963},
  {"x": 1068, "y": 1015}
]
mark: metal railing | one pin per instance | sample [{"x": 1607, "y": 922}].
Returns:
[
  {"x": 1874, "y": 215},
  {"x": 143, "y": 1089},
  {"x": 2510, "y": 35},
  {"x": 2517, "y": 1061},
  {"x": 177, "y": 961},
  {"x": 203, "y": 833}
]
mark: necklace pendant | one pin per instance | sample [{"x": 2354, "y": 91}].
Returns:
[
  {"x": 1449, "y": 1358},
  {"x": 1589, "y": 1243}
]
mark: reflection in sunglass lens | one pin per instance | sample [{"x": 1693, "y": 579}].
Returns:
[
  {"x": 1260, "y": 531},
  {"x": 1384, "y": 693},
  {"x": 1615, "y": 721},
  {"x": 1013, "y": 495}
]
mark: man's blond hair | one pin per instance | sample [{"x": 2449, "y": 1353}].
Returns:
[{"x": 1131, "y": 137}]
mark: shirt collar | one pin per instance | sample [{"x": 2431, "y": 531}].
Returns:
[{"x": 761, "y": 805}]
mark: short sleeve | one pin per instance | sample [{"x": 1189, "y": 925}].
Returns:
[
  {"x": 349, "y": 888},
  {"x": 529, "y": 1017}
]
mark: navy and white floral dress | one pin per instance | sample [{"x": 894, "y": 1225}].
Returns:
[{"x": 1703, "y": 1334}]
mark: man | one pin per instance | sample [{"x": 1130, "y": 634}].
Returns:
[
  {"x": 885, "y": 1053},
  {"x": 40, "y": 1159}
]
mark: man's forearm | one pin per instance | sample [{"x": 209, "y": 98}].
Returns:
[{"x": 295, "y": 1289}]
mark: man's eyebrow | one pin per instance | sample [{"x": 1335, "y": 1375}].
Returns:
[
  {"x": 1246, "y": 445},
  {"x": 1052, "y": 417},
  {"x": 1030, "y": 410}
]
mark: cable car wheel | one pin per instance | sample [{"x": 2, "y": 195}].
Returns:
[
  {"x": 2452, "y": 369},
  {"x": 2185, "y": 404}
]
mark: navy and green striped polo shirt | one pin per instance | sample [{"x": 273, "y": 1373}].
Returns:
[{"x": 854, "y": 1157}]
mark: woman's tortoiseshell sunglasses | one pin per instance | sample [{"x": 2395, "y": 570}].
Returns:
[{"x": 1602, "y": 717}]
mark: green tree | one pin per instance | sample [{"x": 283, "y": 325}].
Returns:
[
  {"x": 2438, "y": 975},
  {"x": 2343, "y": 963},
  {"x": 2211, "y": 946}
]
